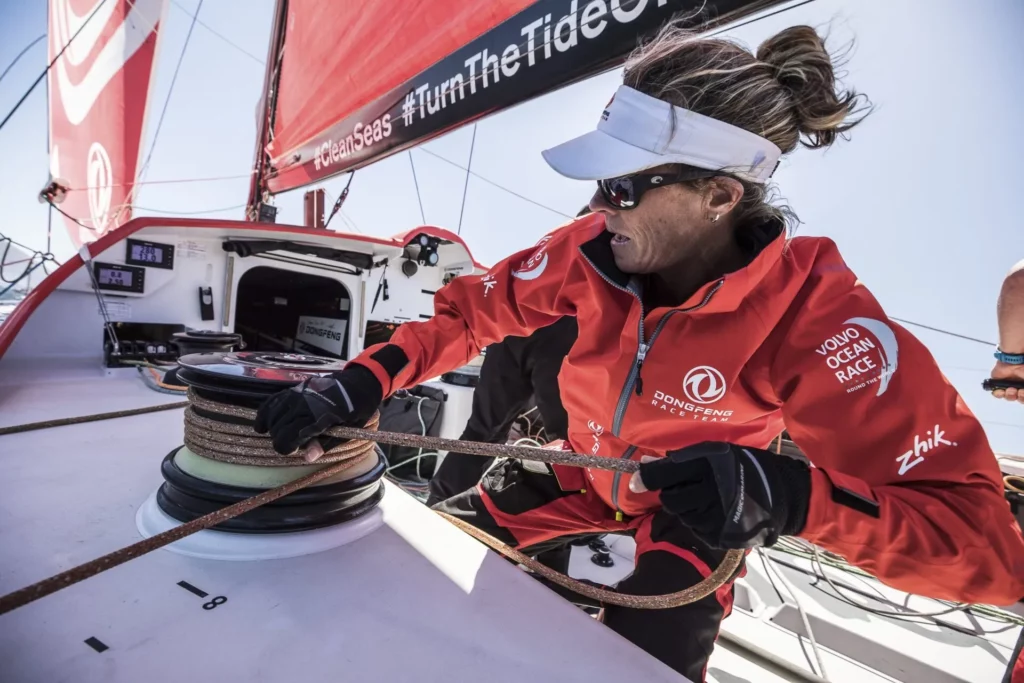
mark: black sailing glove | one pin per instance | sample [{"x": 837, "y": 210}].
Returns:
[
  {"x": 731, "y": 496},
  {"x": 296, "y": 415}
]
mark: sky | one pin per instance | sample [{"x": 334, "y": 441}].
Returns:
[{"x": 922, "y": 200}]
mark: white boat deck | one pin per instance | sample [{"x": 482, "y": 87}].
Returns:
[{"x": 414, "y": 600}]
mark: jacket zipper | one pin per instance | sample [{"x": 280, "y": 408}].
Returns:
[
  {"x": 634, "y": 377},
  {"x": 643, "y": 348},
  {"x": 615, "y": 485},
  {"x": 641, "y": 352}
]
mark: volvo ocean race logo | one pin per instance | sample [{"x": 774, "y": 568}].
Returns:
[
  {"x": 863, "y": 353},
  {"x": 533, "y": 267},
  {"x": 99, "y": 175},
  {"x": 704, "y": 384}
]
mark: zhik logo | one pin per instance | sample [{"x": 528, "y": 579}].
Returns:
[
  {"x": 704, "y": 384},
  {"x": 915, "y": 456}
]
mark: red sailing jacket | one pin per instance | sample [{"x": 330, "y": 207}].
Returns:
[{"x": 904, "y": 482}]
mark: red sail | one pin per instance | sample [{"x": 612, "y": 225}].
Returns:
[
  {"x": 341, "y": 56},
  {"x": 99, "y": 89}
]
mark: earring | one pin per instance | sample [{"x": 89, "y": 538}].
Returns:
[{"x": 714, "y": 219}]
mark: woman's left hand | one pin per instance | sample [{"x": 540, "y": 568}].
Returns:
[{"x": 731, "y": 496}]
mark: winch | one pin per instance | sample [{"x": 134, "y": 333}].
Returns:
[{"x": 223, "y": 461}]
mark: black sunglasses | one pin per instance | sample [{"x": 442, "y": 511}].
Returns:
[{"x": 624, "y": 192}]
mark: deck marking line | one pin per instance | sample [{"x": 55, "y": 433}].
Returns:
[
  {"x": 192, "y": 589},
  {"x": 96, "y": 644}
]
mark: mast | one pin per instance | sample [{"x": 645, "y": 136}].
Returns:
[{"x": 266, "y": 109}]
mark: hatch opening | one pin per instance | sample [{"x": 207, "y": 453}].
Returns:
[{"x": 284, "y": 310}]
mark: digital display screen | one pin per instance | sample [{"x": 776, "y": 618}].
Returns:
[
  {"x": 147, "y": 253},
  {"x": 117, "y": 278}
]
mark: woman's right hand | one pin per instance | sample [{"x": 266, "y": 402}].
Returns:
[{"x": 295, "y": 416}]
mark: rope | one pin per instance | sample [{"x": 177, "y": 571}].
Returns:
[
  {"x": 724, "y": 572},
  {"x": 65, "y": 421},
  {"x": 488, "y": 450},
  {"x": 222, "y": 441}
]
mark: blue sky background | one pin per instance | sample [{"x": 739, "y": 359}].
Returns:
[{"x": 922, "y": 200}]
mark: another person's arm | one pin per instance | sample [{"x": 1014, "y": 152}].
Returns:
[{"x": 1010, "y": 311}]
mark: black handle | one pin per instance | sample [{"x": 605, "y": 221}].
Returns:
[{"x": 993, "y": 384}]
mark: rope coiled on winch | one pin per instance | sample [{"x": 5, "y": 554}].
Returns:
[
  {"x": 242, "y": 437},
  {"x": 239, "y": 445}
]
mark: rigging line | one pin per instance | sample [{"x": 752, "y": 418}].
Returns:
[
  {"x": 24, "y": 275},
  {"x": 1002, "y": 424},
  {"x": 50, "y": 65},
  {"x": 170, "y": 91},
  {"x": 49, "y": 229},
  {"x": 423, "y": 216},
  {"x": 219, "y": 34},
  {"x": 936, "y": 329},
  {"x": 170, "y": 212},
  {"x": 341, "y": 198},
  {"x": 491, "y": 182},
  {"x": 5, "y": 238},
  {"x": 4, "y": 263},
  {"x": 49, "y": 210},
  {"x": 70, "y": 217},
  {"x": 465, "y": 188},
  {"x": 167, "y": 182},
  {"x": 752, "y": 20},
  {"x": 20, "y": 55},
  {"x": 350, "y": 223}
]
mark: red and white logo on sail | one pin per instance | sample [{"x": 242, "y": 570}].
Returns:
[{"x": 99, "y": 89}]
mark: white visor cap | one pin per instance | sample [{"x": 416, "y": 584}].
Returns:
[{"x": 637, "y": 132}]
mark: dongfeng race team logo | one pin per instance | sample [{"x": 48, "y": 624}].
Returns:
[{"x": 704, "y": 384}]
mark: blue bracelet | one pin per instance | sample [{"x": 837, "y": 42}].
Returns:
[{"x": 1009, "y": 358}]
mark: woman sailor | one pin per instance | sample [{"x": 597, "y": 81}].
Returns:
[{"x": 704, "y": 330}]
